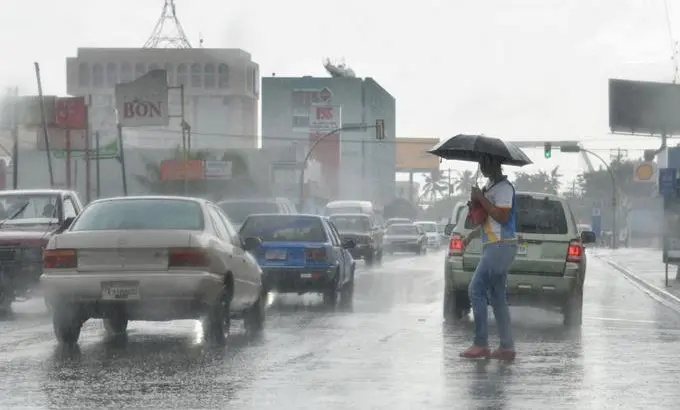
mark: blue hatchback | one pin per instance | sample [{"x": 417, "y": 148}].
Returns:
[{"x": 302, "y": 254}]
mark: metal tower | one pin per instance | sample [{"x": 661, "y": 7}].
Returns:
[{"x": 168, "y": 32}]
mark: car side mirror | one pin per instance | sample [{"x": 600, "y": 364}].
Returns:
[
  {"x": 588, "y": 237},
  {"x": 66, "y": 224},
  {"x": 251, "y": 243},
  {"x": 448, "y": 229},
  {"x": 349, "y": 244}
]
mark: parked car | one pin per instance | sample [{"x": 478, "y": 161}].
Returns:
[
  {"x": 549, "y": 269},
  {"x": 303, "y": 254},
  {"x": 368, "y": 238},
  {"x": 152, "y": 258},
  {"x": 239, "y": 209},
  {"x": 30, "y": 217},
  {"x": 405, "y": 238},
  {"x": 431, "y": 233}
]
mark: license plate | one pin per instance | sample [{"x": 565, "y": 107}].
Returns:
[
  {"x": 522, "y": 249},
  {"x": 306, "y": 275},
  {"x": 276, "y": 255},
  {"x": 120, "y": 290}
]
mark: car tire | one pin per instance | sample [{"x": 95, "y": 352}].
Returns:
[
  {"x": 379, "y": 257},
  {"x": 67, "y": 323},
  {"x": 116, "y": 324},
  {"x": 573, "y": 308},
  {"x": 330, "y": 294},
  {"x": 6, "y": 295},
  {"x": 256, "y": 314},
  {"x": 347, "y": 292},
  {"x": 456, "y": 305},
  {"x": 218, "y": 320}
]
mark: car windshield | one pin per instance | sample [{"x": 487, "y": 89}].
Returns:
[
  {"x": 351, "y": 223},
  {"x": 537, "y": 215},
  {"x": 402, "y": 230},
  {"x": 140, "y": 214},
  {"x": 24, "y": 208},
  {"x": 238, "y": 211},
  {"x": 343, "y": 210},
  {"x": 284, "y": 228},
  {"x": 427, "y": 227}
]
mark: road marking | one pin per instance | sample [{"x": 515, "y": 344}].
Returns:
[{"x": 614, "y": 319}]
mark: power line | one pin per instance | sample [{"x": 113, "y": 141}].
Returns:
[{"x": 673, "y": 42}]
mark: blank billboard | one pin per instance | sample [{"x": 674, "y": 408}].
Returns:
[{"x": 641, "y": 107}]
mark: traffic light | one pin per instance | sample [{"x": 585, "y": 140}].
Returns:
[{"x": 547, "y": 150}]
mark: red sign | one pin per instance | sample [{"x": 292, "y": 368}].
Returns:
[
  {"x": 71, "y": 113},
  {"x": 327, "y": 153},
  {"x": 178, "y": 170},
  {"x": 324, "y": 113}
]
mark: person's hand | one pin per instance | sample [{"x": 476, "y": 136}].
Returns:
[{"x": 476, "y": 193}]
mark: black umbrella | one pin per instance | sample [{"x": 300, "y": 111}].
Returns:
[{"x": 473, "y": 147}]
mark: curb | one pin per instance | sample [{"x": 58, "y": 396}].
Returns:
[{"x": 662, "y": 296}]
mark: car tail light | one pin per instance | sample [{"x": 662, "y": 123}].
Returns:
[
  {"x": 315, "y": 254},
  {"x": 188, "y": 258},
  {"x": 574, "y": 251},
  {"x": 60, "y": 259},
  {"x": 456, "y": 246}
]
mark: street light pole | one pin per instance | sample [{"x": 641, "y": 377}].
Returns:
[
  {"x": 380, "y": 135},
  {"x": 578, "y": 148}
]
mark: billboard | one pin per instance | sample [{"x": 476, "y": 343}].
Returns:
[
  {"x": 71, "y": 113},
  {"x": 178, "y": 170},
  {"x": 412, "y": 156},
  {"x": 641, "y": 107},
  {"x": 325, "y": 118},
  {"x": 57, "y": 138},
  {"x": 144, "y": 101}
]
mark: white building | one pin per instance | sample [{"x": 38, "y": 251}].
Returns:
[{"x": 221, "y": 93}]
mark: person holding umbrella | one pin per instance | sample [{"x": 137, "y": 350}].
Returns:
[{"x": 497, "y": 231}]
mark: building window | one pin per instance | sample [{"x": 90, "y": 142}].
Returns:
[
  {"x": 111, "y": 75},
  {"x": 209, "y": 76},
  {"x": 249, "y": 80},
  {"x": 84, "y": 75},
  {"x": 140, "y": 70},
  {"x": 182, "y": 75},
  {"x": 196, "y": 75},
  {"x": 98, "y": 75},
  {"x": 126, "y": 73},
  {"x": 256, "y": 80},
  {"x": 223, "y": 76},
  {"x": 169, "y": 69}
]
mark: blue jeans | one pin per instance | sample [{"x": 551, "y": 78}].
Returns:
[{"x": 489, "y": 286}]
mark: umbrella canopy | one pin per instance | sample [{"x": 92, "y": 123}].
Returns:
[{"x": 473, "y": 147}]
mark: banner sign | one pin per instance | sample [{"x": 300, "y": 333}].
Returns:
[{"x": 144, "y": 101}]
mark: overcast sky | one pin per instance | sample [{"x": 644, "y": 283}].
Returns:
[{"x": 512, "y": 68}]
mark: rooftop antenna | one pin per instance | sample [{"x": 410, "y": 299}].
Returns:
[{"x": 168, "y": 32}]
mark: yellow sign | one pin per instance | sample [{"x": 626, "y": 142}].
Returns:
[
  {"x": 411, "y": 154},
  {"x": 644, "y": 172}
]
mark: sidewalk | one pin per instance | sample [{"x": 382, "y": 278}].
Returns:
[{"x": 644, "y": 266}]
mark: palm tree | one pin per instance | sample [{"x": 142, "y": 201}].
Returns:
[
  {"x": 464, "y": 181},
  {"x": 434, "y": 186},
  {"x": 555, "y": 180}
]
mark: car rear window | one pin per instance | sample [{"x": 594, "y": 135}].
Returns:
[
  {"x": 347, "y": 223},
  {"x": 284, "y": 228},
  {"x": 137, "y": 214},
  {"x": 402, "y": 230},
  {"x": 537, "y": 215}
]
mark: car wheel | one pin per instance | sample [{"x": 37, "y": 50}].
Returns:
[
  {"x": 368, "y": 259},
  {"x": 573, "y": 308},
  {"x": 67, "y": 324},
  {"x": 116, "y": 324},
  {"x": 330, "y": 295},
  {"x": 347, "y": 293},
  {"x": 6, "y": 295},
  {"x": 456, "y": 305},
  {"x": 255, "y": 317},
  {"x": 218, "y": 321}
]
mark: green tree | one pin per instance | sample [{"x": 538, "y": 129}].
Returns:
[{"x": 434, "y": 186}]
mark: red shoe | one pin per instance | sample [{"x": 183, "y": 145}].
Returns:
[
  {"x": 504, "y": 354},
  {"x": 476, "y": 352}
]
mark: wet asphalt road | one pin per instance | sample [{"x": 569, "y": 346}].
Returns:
[{"x": 391, "y": 352}]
